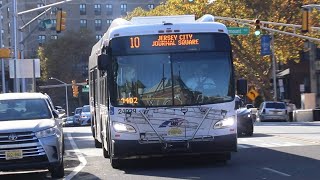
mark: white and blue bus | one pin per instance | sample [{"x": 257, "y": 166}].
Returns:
[{"x": 144, "y": 96}]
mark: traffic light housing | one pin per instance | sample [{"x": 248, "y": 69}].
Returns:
[
  {"x": 75, "y": 91},
  {"x": 305, "y": 20},
  {"x": 61, "y": 21},
  {"x": 75, "y": 88},
  {"x": 257, "y": 27}
]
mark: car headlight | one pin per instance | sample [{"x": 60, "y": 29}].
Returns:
[
  {"x": 120, "y": 127},
  {"x": 47, "y": 132},
  {"x": 225, "y": 123}
]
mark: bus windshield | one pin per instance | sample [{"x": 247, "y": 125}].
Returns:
[{"x": 173, "y": 79}]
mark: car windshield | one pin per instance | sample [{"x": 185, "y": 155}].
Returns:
[
  {"x": 24, "y": 109},
  {"x": 78, "y": 111},
  {"x": 172, "y": 79},
  {"x": 275, "y": 105}
]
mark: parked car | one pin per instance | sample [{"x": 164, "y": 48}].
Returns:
[
  {"x": 272, "y": 110},
  {"x": 245, "y": 122},
  {"x": 31, "y": 134},
  {"x": 76, "y": 115},
  {"x": 85, "y": 117}
]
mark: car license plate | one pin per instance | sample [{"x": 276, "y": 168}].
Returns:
[
  {"x": 174, "y": 132},
  {"x": 14, "y": 154}
]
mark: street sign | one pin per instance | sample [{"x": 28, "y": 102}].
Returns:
[
  {"x": 238, "y": 30},
  {"x": 265, "y": 45},
  {"x": 85, "y": 89},
  {"x": 252, "y": 94}
]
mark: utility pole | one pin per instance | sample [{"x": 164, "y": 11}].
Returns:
[
  {"x": 16, "y": 85},
  {"x": 15, "y": 29},
  {"x": 274, "y": 68}
]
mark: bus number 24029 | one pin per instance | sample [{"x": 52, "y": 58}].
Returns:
[{"x": 126, "y": 111}]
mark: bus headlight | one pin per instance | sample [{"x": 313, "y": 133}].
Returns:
[
  {"x": 225, "y": 123},
  {"x": 120, "y": 127}
]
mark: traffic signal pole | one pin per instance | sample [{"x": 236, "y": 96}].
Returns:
[{"x": 15, "y": 28}]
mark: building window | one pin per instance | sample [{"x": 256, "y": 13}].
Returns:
[
  {"x": 109, "y": 21},
  {"x": 98, "y": 24},
  {"x": 123, "y": 9},
  {"x": 41, "y": 26},
  {"x": 54, "y": 23},
  {"x": 54, "y": 10},
  {"x": 150, "y": 6},
  {"x": 98, "y": 37},
  {"x": 97, "y": 9},
  {"x": 41, "y": 39},
  {"x": 8, "y": 12},
  {"x": 83, "y": 9},
  {"x": 54, "y": 37},
  {"x": 9, "y": 28},
  {"x": 83, "y": 23},
  {"x": 109, "y": 9},
  {"x": 40, "y": 5}
]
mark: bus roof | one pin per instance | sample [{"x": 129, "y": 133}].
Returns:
[{"x": 152, "y": 25}]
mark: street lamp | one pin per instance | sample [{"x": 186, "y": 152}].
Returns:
[{"x": 65, "y": 84}]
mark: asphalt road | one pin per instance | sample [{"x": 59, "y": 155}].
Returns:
[{"x": 277, "y": 150}]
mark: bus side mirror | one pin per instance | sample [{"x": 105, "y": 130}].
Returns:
[
  {"x": 103, "y": 61},
  {"x": 242, "y": 86}
]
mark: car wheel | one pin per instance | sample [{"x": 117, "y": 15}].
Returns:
[
  {"x": 57, "y": 172},
  {"x": 250, "y": 131},
  {"x": 115, "y": 163}
]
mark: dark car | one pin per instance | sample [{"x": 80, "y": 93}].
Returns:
[{"x": 245, "y": 122}]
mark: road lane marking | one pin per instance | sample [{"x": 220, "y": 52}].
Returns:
[
  {"x": 242, "y": 146},
  {"x": 275, "y": 171},
  {"x": 81, "y": 158},
  {"x": 300, "y": 139}
]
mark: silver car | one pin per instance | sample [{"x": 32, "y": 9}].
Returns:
[
  {"x": 271, "y": 110},
  {"x": 85, "y": 116},
  {"x": 31, "y": 134}
]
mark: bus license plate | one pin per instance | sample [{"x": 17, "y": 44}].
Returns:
[
  {"x": 14, "y": 154},
  {"x": 174, "y": 132}
]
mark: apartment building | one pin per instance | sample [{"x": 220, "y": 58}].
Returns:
[{"x": 95, "y": 15}]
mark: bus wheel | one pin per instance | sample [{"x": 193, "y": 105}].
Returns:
[
  {"x": 105, "y": 152},
  {"x": 115, "y": 163},
  {"x": 97, "y": 144}
]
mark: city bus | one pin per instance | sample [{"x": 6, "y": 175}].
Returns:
[{"x": 144, "y": 95}]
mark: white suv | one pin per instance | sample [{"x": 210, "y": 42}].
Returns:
[
  {"x": 31, "y": 135},
  {"x": 271, "y": 110}
]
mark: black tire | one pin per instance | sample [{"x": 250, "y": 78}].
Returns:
[
  {"x": 57, "y": 172},
  {"x": 250, "y": 130},
  {"x": 115, "y": 163},
  {"x": 104, "y": 151},
  {"x": 97, "y": 144}
]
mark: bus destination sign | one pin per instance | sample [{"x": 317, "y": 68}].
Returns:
[
  {"x": 167, "y": 40},
  {"x": 166, "y": 43}
]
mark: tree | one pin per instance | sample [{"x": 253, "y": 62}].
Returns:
[
  {"x": 64, "y": 59},
  {"x": 246, "y": 49}
]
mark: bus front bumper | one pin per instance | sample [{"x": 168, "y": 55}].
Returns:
[{"x": 127, "y": 149}]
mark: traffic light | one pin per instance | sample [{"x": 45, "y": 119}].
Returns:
[
  {"x": 305, "y": 21},
  {"x": 75, "y": 91},
  {"x": 61, "y": 21},
  {"x": 257, "y": 27},
  {"x": 75, "y": 88}
]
